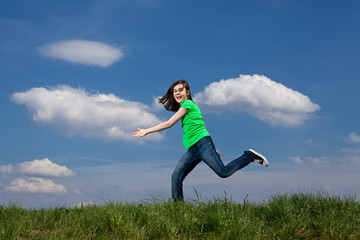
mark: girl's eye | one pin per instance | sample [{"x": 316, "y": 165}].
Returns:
[{"x": 177, "y": 90}]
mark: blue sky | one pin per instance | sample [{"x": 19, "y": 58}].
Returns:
[{"x": 77, "y": 77}]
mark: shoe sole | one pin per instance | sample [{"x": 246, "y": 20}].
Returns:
[{"x": 265, "y": 161}]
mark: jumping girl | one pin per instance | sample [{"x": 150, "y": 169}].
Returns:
[{"x": 195, "y": 138}]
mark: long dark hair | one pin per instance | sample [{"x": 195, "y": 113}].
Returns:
[{"x": 168, "y": 99}]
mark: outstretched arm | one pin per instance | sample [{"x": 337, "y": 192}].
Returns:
[{"x": 161, "y": 126}]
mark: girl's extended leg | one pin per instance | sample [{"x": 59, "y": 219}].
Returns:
[
  {"x": 186, "y": 164},
  {"x": 207, "y": 152}
]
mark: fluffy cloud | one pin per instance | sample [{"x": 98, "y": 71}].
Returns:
[
  {"x": 76, "y": 112},
  {"x": 260, "y": 97},
  {"x": 156, "y": 106},
  {"x": 353, "y": 153},
  {"x": 354, "y": 137},
  {"x": 104, "y": 116},
  {"x": 7, "y": 169},
  {"x": 83, "y": 52},
  {"x": 343, "y": 156},
  {"x": 312, "y": 160},
  {"x": 297, "y": 160},
  {"x": 43, "y": 167},
  {"x": 35, "y": 185}
]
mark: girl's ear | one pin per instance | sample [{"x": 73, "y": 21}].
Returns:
[{"x": 187, "y": 93}]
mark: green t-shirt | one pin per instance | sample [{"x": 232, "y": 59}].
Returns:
[{"x": 193, "y": 124}]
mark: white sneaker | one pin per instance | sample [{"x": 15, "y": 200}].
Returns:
[{"x": 258, "y": 158}]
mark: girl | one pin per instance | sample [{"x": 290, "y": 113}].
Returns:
[{"x": 195, "y": 138}]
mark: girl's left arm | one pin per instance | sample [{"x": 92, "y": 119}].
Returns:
[{"x": 161, "y": 126}]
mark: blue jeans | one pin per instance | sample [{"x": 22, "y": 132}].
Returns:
[{"x": 204, "y": 150}]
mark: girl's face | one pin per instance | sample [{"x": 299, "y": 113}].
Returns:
[{"x": 180, "y": 93}]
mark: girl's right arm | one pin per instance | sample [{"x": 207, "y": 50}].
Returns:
[{"x": 161, "y": 126}]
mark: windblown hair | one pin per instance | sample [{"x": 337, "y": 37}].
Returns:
[{"x": 168, "y": 99}]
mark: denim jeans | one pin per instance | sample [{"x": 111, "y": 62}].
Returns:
[{"x": 204, "y": 150}]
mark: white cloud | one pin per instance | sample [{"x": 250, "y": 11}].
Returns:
[
  {"x": 354, "y": 137},
  {"x": 7, "y": 169},
  {"x": 259, "y": 96},
  {"x": 156, "y": 106},
  {"x": 35, "y": 185},
  {"x": 297, "y": 160},
  {"x": 73, "y": 111},
  {"x": 83, "y": 52},
  {"x": 45, "y": 167},
  {"x": 76, "y": 112},
  {"x": 42, "y": 167},
  {"x": 319, "y": 160},
  {"x": 348, "y": 156}
]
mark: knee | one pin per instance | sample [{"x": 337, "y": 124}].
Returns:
[
  {"x": 222, "y": 172},
  {"x": 223, "y": 175}
]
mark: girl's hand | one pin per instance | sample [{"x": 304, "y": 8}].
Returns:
[
  {"x": 161, "y": 126},
  {"x": 219, "y": 154},
  {"x": 140, "y": 133}
]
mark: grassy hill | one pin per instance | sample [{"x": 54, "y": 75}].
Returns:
[{"x": 285, "y": 216}]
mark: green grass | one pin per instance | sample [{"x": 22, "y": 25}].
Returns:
[{"x": 285, "y": 216}]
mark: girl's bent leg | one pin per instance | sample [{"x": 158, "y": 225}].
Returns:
[
  {"x": 207, "y": 153},
  {"x": 186, "y": 164},
  {"x": 240, "y": 162}
]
